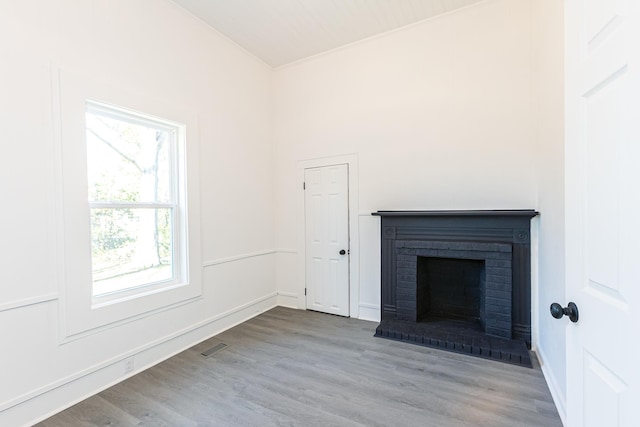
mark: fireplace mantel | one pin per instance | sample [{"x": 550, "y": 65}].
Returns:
[
  {"x": 529, "y": 213},
  {"x": 454, "y": 233}
]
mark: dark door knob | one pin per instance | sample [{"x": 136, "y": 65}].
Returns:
[
  {"x": 342, "y": 252},
  {"x": 571, "y": 310}
]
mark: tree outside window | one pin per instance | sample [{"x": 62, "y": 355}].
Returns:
[{"x": 132, "y": 193}]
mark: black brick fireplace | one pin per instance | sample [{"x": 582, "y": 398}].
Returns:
[{"x": 458, "y": 280}]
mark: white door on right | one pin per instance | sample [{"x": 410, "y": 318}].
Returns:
[
  {"x": 326, "y": 207},
  {"x": 602, "y": 166}
]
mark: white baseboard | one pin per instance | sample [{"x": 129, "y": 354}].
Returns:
[
  {"x": 366, "y": 311},
  {"x": 288, "y": 299},
  {"x": 552, "y": 382},
  {"x": 66, "y": 392},
  {"x": 369, "y": 312}
]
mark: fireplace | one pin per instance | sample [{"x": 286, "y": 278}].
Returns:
[{"x": 458, "y": 280}]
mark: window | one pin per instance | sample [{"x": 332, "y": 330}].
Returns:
[
  {"x": 128, "y": 211},
  {"x": 133, "y": 191}
]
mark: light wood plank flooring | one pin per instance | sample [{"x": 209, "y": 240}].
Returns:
[{"x": 301, "y": 368}]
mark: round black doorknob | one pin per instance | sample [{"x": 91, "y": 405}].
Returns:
[
  {"x": 556, "y": 310},
  {"x": 342, "y": 252},
  {"x": 570, "y": 310}
]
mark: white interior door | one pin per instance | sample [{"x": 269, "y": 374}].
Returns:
[
  {"x": 326, "y": 203},
  {"x": 602, "y": 209}
]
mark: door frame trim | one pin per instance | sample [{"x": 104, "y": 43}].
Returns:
[{"x": 354, "y": 238}]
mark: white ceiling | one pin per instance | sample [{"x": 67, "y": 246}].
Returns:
[{"x": 283, "y": 31}]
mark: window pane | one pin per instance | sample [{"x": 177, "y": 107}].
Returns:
[
  {"x": 130, "y": 248},
  {"x": 127, "y": 161}
]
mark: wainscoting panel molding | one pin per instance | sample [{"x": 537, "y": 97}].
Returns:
[
  {"x": 54, "y": 397},
  {"x": 12, "y": 305},
  {"x": 237, "y": 257}
]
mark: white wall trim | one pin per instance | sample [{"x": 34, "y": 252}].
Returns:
[
  {"x": 370, "y": 306},
  {"x": 552, "y": 382},
  {"x": 370, "y": 312},
  {"x": 69, "y": 338},
  {"x": 24, "y": 302},
  {"x": 287, "y": 251},
  {"x": 288, "y": 299},
  {"x": 131, "y": 353},
  {"x": 238, "y": 257},
  {"x": 288, "y": 294},
  {"x": 354, "y": 236},
  {"x": 535, "y": 281},
  {"x": 78, "y": 312},
  {"x": 63, "y": 339}
]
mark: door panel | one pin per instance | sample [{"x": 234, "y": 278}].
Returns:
[
  {"x": 603, "y": 119},
  {"x": 327, "y": 233},
  {"x": 602, "y": 394}
]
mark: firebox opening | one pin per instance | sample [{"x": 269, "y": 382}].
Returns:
[{"x": 450, "y": 289}]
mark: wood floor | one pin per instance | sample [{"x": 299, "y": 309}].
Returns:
[{"x": 301, "y": 368}]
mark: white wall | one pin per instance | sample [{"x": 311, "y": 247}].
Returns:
[
  {"x": 154, "y": 48},
  {"x": 548, "y": 111},
  {"x": 439, "y": 116}
]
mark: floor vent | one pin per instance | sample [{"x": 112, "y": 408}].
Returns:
[{"x": 215, "y": 349}]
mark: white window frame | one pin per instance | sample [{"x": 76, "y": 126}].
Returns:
[
  {"x": 81, "y": 313},
  {"x": 176, "y": 204}
]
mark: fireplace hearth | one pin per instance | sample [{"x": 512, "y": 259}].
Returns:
[{"x": 459, "y": 281}]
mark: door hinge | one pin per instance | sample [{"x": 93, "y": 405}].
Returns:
[
  {"x": 305, "y": 291},
  {"x": 304, "y": 185}
]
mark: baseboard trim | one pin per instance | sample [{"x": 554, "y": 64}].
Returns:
[
  {"x": 110, "y": 372},
  {"x": 369, "y": 312},
  {"x": 288, "y": 299},
  {"x": 552, "y": 383}
]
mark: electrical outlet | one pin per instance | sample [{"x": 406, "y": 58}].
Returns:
[{"x": 128, "y": 365}]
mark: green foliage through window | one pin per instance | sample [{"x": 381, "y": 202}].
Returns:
[{"x": 131, "y": 191}]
